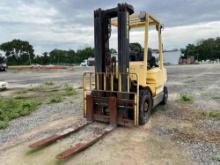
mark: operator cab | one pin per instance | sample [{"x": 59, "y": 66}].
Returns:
[{"x": 136, "y": 53}]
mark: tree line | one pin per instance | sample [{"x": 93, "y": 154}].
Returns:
[
  {"x": 20, "y": 52},
  {"x": 208, "y": 49}
]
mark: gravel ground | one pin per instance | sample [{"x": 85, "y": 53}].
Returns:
[
  {"x": 36, "y": 77},
  {"x": 200, "y": 81},
  {"x": 202, "y": 152}
]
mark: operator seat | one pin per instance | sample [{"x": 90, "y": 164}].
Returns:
[
  {"x": 151, "y": 60},
  {"x": 136, "y": 54}
]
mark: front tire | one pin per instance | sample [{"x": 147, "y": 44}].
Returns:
[
  {"x": 165, "y": 96},
  {"x": 145, "y": 106}
]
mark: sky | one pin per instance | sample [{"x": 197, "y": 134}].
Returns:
[{"x": 68, "y": 24}]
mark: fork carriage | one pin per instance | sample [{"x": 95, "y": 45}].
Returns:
[{"x": 111, "y": 104}]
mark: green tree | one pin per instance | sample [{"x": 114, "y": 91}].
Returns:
[
  {"x": 2, "y": 58},
  {"x": 71, "y": 57},
  {"x": 58, "y": 56},
  {"x": 42, "y": 59},
  {"x": 84, "y": 54},
  {"x": 18, "y": 51},
  {"x": 204, "y": 49}
]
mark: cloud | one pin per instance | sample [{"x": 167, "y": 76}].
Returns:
[
  {"x": 177, "y": 36},
  {"x": 68, "y": 24},
  {"x": 27, "y": 14}
]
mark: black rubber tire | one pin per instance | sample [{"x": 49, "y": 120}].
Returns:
[
  {"x": 145, "y": 106},
  {"x": 165, "y": 96}
]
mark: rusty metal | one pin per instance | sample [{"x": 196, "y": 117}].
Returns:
[
  {"x": 112, "y": 104},
  {"x": 120, "y": 120},
  {"x": 125, "y": 122},
  {"x": 119, "y": 101},
  {"x": 102, "y": 118},
  {"x": 51, "y": 139},
  {"x": 81, "y": 146},
  {"x": 89, "y": 107}
]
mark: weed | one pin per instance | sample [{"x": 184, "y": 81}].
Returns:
[
  {"x": 216, "y": 97},
  {"x": 49, "y": 83},
  {"x": 20, "y": 97},
  {"x": 3, "y": 119},
  {"x": 190, "y": 81},
  {"x": 55, "y": 99},
  {"x": 69, "y": 91},
  {"x": 217, "y": 158},
  {"x": 186, "y": 97},
  {"x": 3, "y": 124},
  {"x": 12, "y": 108},
  {"x": 214, "y": 114}
]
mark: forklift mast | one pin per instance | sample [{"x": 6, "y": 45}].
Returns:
[{"x": 102, "y": 26}]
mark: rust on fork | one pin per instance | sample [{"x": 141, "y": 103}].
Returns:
[
  {"x": 50, "y": 139},
  {"x": 81, "y": 146}
]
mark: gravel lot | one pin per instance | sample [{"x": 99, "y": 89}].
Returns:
[
  {"x": 39, "y": 76},
  {"x": 177, "y": 133}
]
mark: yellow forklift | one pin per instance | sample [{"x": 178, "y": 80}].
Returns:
[
  {"x": 121, "y": 91},
  {"x": 127, "y": 89}
]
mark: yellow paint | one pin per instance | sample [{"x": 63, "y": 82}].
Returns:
[{"x": 154, "y": 78}]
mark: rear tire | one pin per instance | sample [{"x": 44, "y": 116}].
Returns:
[
  {"x": 165, "y": 96},
  {"x": 145, "y": 106}
]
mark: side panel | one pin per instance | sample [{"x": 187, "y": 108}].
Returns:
[{"x": 154, "y": 78}]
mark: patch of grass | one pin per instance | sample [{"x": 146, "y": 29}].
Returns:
[
  {"x": 216, "y": 97},
  {"x": 3, "y": 124},
  {"x": 11, "y": 108},
  {"x": 20, "y": 97},
  {"x": 69, "y": 91},
  {"x": 26, "y": 100},
  {"x": 217, "y": 158},
  {"x": 184, "y": 97},
  {"x": 3, "y": 119},
  {"x": 33, "y": 89},
  {"x": 190, "y": 81},
  {"x": 55, "y": 99},
  {"x": 214, "y": 114},
  {"x": 49, "y": 83},
  {"x": 58, "y": 162}
]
